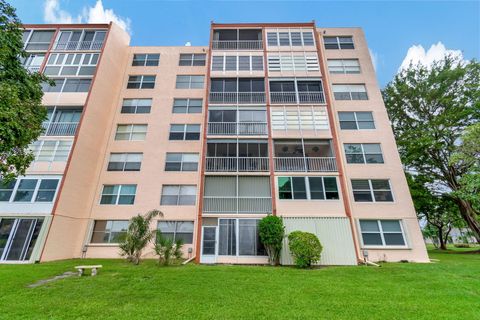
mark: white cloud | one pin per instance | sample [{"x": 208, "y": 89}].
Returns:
[
  {"x": 417, "y": 54},
  {"x": 96, "y": 14},
  {"x": 188, "y": 44},
  {"x": 374, "y": 57}
]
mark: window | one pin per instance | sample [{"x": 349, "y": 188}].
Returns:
[
  {"x": 37, "y": 39},
  {"x": 136, "y": 105},
  {"x": 192, "y": 59},
  {"x": 178, "y": 195},
  {"x": 346, "y": 66},
  {"x": 141, "y": 82},
  {"x": 372, "y": 190},
  {"x": 382, "y": 233},
  {"x": 293, "y": 38},
  {"x": 131, "y": 132},
  {"x": 356, "y": 120},
  {"x": 80, "y": 39},
  {"x": 349, "y": 92},
  {"x": 109, "y": 231},
  {"x": 307, "y": 188},
  {"x": 177, "y": 230},
  {"x": 125, "y": 162},
  {"x": 51, "y": 150},
  {"x": 282, "y": 63},
  {"x": 243, "y": 232},
  {"x": 68, "y": 85},
  {"x": 237, "y": 85},
  {"x": 184, "y": 132},
  {"x": 187, "y": 106},
  {"x": 345, "y": 42},
  {"x": 181, "y": 162},
  {"x": 363, "y": 153},
  {"x": 189, "y": 82},
  {"x": 118, "y": 194},
  {"x": 71, "y": 64},
  {"x": 29, "y": 190},
  {"x": 146, "y": 60},
  {"x": 303, "y": 118},
  {"x": 237, "y": 63}
]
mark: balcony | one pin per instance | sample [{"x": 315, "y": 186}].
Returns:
[
  {"x": 237, "y": 44},
  {"x": 307, "y": 164},
  {"x": 237, "y": 39},
  {"x": 79, "y": 45},
  {"x": 59, "y": 128},
  {"x": 234, "y": 164},
  {"x": 237, "y": 129},
  {"x": 297, "y": 97},
  {"x": 237, "y": 97},
  {"x": 237, "y": 204}
]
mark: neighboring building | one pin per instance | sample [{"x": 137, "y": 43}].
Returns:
[{"x": 282, "y": 119}]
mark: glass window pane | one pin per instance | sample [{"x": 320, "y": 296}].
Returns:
[{"x": 372, "y": 239}]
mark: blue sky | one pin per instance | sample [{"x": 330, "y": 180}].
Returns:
[{"x": 391, "y": 27}]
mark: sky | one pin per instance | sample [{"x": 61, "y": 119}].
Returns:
[{"x": 397, "y": 32}]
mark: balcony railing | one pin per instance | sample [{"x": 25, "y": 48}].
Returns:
[
  {"x": 237, "y": 44},
  {"x": 234, "y": 128},
  {"x": 237, "y": 97},
  {"x": 214, "y": 204},
  {"x": 59, "y": 128},
  {"x": 33, "y": 69},
  {"x": 297, "y": 97},
  {"x": 309, "y": 164},
  {"x": 79, "y": 45},
  {"x": 233, "y": 164}
]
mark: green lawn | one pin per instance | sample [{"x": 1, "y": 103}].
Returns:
[{"x": 449, "y": 289}]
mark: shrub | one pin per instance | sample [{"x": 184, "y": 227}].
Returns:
[
  {"x": 272, "y": 232},
  {"x": 166, "y": 249},
  {"x": 305, "y": 248},
  {"x": 138, "y": 236},
  {"x": 461, "y": 245}
]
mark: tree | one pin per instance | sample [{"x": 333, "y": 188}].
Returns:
[
  {"x": 166, "y": 249},
  {"x": 469, "y": 155},
  {"x": 430, "y": 107},
  {"x": 272, "y": 232},
  {"x": 305, "y": 248},
  {"x": 21, "y": 111},
  {"x": 439, "y": 210},
  {"x": 138, "y": 236}
]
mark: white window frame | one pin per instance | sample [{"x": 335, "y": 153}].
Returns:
[
  {"x": 307, "y": 188},
  {"x": 135, "y": 102},
  {"x": 286, "y": 121},
  {"x": 364, "y": 155},
  {"x": 35, "y": 190},
  {"x": 372, "y": 191},
  {"x": 190, "y": 77},
  {"x": 38, "y": 146},
  {"x": 146, "y": 59},
  {"x": 130, "y": 132},
  {"x": 384, "y": 245},
  {"x": 117, "y": 195},
  {"x": 188, "y": 105},
  {"x": 182, "y": 161},
  {"x": 343, "y": 66}
]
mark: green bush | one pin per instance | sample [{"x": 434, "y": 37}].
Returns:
[
  {"x": 272, "y": 232},
  {"x": 305, "y": 248},
  {"x": 461, "y": 245},
  {"x": 167, "y": 249}
]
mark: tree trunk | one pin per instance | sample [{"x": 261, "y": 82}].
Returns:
[
  {"x": 442, "y": 244},
  {"x": 470, "y": 217}
]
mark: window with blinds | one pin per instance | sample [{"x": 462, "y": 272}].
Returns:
[
  {"x": 309, "y": 118},
  {"x": 237, "y": 63},
  {"x": 281, "y": 63}
]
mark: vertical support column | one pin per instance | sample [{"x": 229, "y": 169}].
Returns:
[{"x": 204, "y": 151}]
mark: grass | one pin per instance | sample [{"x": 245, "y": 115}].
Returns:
[{"x": 448, "y": 289}]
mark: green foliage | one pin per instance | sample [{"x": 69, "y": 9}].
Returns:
[
  {"x": 21, "y": 111},
  {"x": 138, "y": 236},
  {"x": 272, "y": 231},
  {"x": 468, "y": 154},
  {"x": 430, "y": 108},
  {"x": 305, "y": 248},
  {"x": 439, "y": 210},
  {"x": 167, "y": 249}
]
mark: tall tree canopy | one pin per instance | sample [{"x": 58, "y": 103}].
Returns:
[
  {"x": 21, "y": 111},
  {"x": 430, "y": 108}
]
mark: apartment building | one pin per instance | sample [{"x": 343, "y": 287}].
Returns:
[{"x": 277, "y": 118}]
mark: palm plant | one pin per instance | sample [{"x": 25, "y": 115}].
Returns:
[
  {"x": 166, "y": 249},
  {"x": 138, "y": 236}
]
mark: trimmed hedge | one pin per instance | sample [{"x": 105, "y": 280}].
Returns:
[{"x": 305, "y": 248}]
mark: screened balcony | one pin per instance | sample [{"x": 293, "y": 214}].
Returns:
[
  {"x": 72, "y": 40},
  {"x": 233, "y": 156},
  {"x": 61, "y": 121},
  {"x": 232, "y": 122},
  {"x": 296, "y": 92},
  {"x": 304, "y": 156},
  {"x": 237, "y": 195},
  {"x": 237, "y": 91},
  {"x": 237, "y": 39}
]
